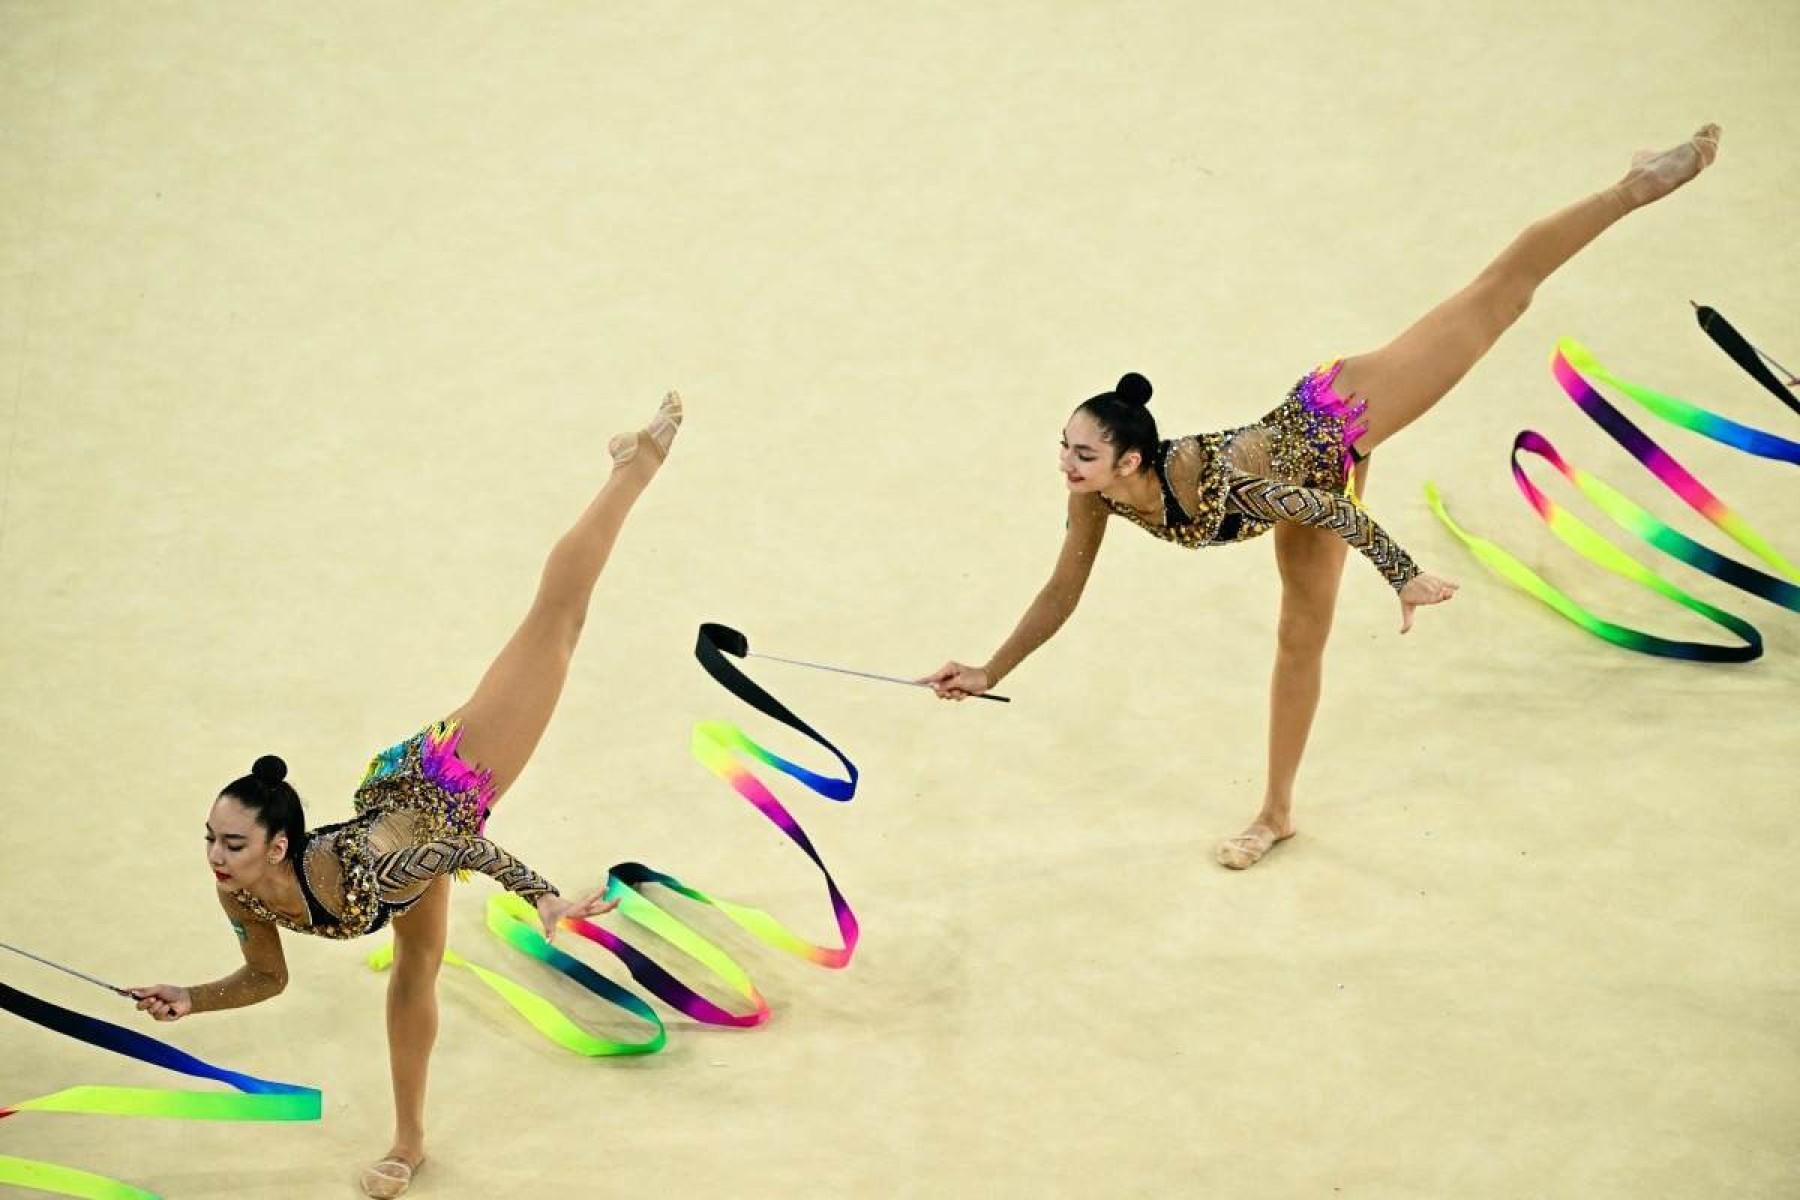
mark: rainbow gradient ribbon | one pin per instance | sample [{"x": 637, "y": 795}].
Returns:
[
  {"x": 1576, "y": 371},
  {"x": 255, "y": 1099},
  {"x": 723, "y": 749}
]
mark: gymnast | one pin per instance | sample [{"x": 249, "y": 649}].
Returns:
[
  {"x": 420, "y": 812},
  {"x": 1301, "y": 471}
]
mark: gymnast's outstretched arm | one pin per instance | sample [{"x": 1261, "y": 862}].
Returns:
[
  {"x": 264, "y": 974},
  {"x": 1053, "y": 606}
]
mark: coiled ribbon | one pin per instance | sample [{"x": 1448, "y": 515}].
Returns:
[
  {"x": 1576, "y": 370},
  {"x": 723, "y": 749},
  {"x": 255, "y": 1099}
]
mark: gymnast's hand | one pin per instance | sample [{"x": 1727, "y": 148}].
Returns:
[
  {"x": 953, "y": 681},
  {"x": 1420, "y": 590},
  {"x": 553, "y": 910},
  {"x": 165, "y": 1001}
]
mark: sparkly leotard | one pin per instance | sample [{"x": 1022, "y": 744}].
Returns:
[
  {"x": 1293, "y": 465},
  {"x": 420, "y": 812}
]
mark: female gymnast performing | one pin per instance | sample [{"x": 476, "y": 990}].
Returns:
[
  {"x": 1293, "y": 470},
  {"x": 420, "y": 811}
]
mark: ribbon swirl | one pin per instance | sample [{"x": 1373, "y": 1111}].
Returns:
[
  {"x": 723, "y": 749},
  {"x": 1575, "y": 369}
]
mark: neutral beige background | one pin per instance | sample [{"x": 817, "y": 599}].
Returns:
[{"x": 314, "y": 320}]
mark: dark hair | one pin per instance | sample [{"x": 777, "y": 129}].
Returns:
[
  {"x": 271, "y": 800},
  {"x": 1124, "y": 417}
]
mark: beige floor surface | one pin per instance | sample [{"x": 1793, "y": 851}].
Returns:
[{"x": 314, "y": 320}]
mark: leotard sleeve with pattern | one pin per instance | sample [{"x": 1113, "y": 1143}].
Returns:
[
  {"x": 402, "y": 875},
  {"x": 1267, "y": 499}
]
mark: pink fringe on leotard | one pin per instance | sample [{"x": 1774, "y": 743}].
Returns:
[
  {"x": 464, "y": 787},
  {"x": 444, "y": 768},
  {"x": 1318, "y": 396}
]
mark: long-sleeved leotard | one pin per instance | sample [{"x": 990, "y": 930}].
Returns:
[
  {"x": 358, "y": 875},
  {"x": 419, "y": 815},
  {"x": 392, "y": 881},
  {"x": 1293, "y": 465},
  {"x": 1290, "y": 466}
]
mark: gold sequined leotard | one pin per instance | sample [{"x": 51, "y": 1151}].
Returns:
[
  {"x": 357, "y": 875},
  {"x": 1293, "y": 465},
  {"x": 419, "y": 814}
]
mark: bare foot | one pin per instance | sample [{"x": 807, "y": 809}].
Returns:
[
  {"x": 1654, "y": 174},
  {"x": 655, "y": 438},
  {"x": 392, "y": 1175},
  {"x": 1247, "y": 848}
]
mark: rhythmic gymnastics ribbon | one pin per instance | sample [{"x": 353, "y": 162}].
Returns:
[
  {"x": 255, "y": 1099},
  {"x": 1577, "y": 371},
  {"x": 723, "y": 749}
]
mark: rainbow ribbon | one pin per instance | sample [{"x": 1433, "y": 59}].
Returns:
[
  {"x": 1576, "y": 370},
  {"x": 258, "y": 1099},
  {"x": 723, "y": 749}
]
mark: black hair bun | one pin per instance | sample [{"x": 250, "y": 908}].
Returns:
[
  {"x": 269, "y": 769},
  {"x": 1133, "y": 389}
]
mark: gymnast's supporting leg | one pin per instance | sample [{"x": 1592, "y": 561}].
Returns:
[
  {"x": 412, "y": 1024},
  {"x": 1311, "y": 562},
  {"x": 1401, "y": 381},
  {"x": 512, "y": 704}
]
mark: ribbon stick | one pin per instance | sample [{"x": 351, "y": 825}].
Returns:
[
  {"x": 723, "y": 749},
  {"x": 255, "y": 1100},
  {"x": 1576, "y": 371},
  {"x": 82, "y": 975}
]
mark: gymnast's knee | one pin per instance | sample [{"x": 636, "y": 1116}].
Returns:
[
  {"x": 415, "y": 973},
  {"x": 558, "y": 616},
  {"x": 418, "y": 957},
  {"x": 1302, "y": 637}
]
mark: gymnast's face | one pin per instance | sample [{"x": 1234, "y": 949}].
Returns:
[
  {"x": 1088, "y": 461},
  {"x": 237, "y": 848}
]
